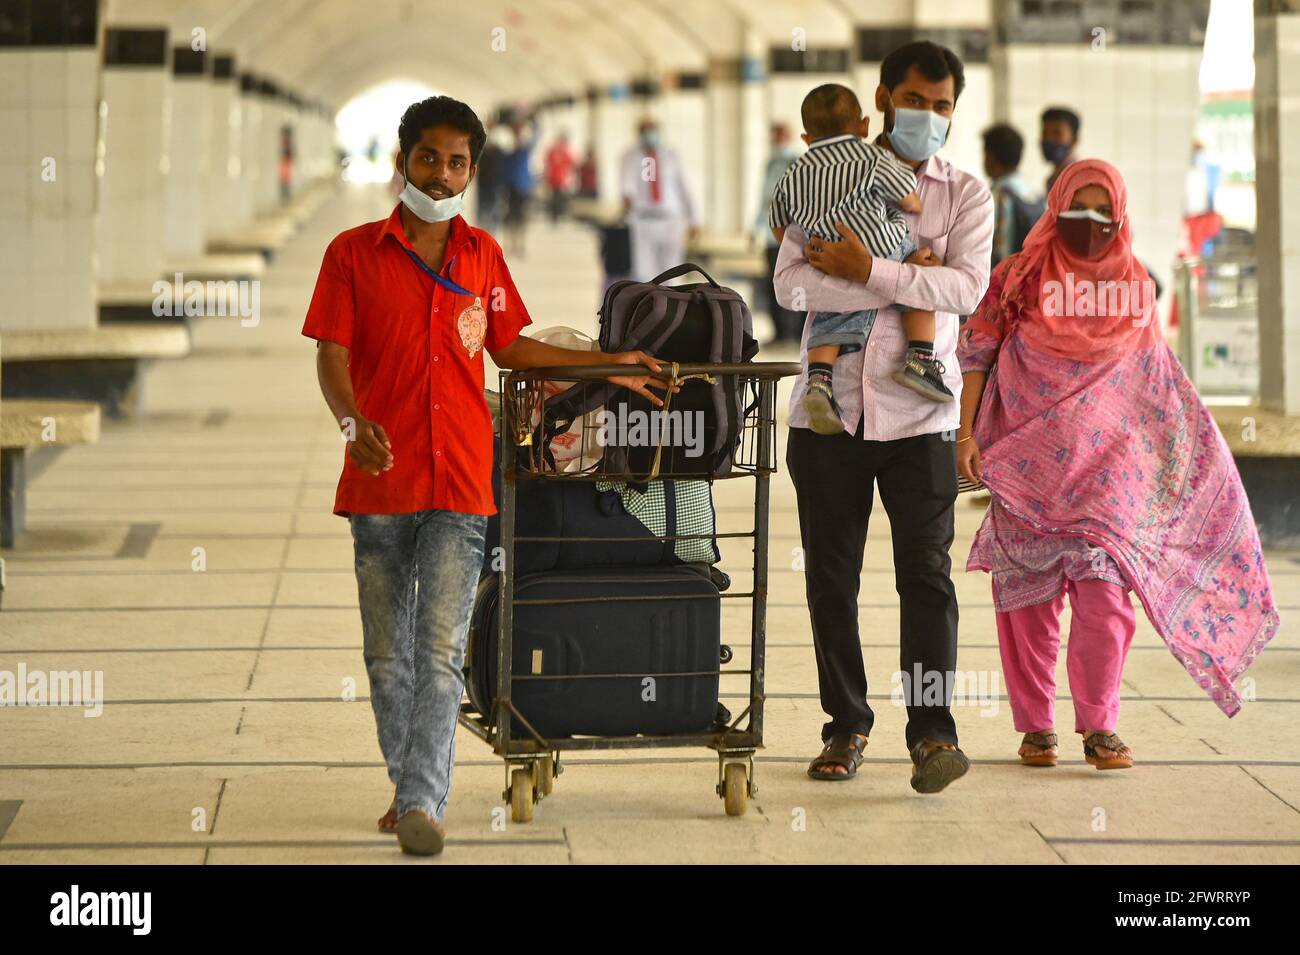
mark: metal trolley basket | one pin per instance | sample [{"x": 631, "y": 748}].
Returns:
[{"x": 532, "y": 760}]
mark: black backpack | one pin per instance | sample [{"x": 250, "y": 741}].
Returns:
[{"x": 687, "y": 324}]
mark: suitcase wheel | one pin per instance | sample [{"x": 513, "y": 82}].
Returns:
[
  {"x": 724, "y": 654},
  {"x": 521, "y": 795}
]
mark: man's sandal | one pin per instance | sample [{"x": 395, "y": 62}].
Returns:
[
  {"x": 1123, "y": 758},
  {"x": 842, "y": 749},
  {"x": 1046, "y": 746},
  {"x": 388, "y": 821},
  {"x": 934, "y": 767}
]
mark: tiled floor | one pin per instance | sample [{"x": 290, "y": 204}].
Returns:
[{"x": 225, "y": 737}]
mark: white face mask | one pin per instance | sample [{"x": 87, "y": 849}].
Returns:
[
  {"x": 1092, "y": 214},
  {"x": 428, "y": 209}
]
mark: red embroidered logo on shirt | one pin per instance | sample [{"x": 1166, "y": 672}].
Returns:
[{"x": 472, "y": 325}]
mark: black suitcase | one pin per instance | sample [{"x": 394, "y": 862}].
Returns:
[
  {"x": 635, "y": 637},
  {"x": 568, "y": 508}
]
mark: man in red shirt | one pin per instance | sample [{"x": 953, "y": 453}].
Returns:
[{"x": 402, "y": 313}]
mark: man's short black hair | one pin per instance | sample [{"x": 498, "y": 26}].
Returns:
[
  {"x": 440, "y": 111},
  {"x": 1004, "y": 144},
  {"x": 830, "y": 109},
  {"x": 1059, "y": 114},
  {"x": 935, "y": 62}
]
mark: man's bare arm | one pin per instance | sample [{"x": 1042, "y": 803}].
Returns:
[{"x": 368, "y": 445}]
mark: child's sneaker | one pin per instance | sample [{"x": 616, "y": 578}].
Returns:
[
  {"x": 923, "y": 374},
  {"x": 819, "y": 403}
]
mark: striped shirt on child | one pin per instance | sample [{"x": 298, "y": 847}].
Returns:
[{"x": 845, "y": 179}]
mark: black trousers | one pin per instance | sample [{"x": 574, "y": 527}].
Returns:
[{"x": 917, "y": 478}]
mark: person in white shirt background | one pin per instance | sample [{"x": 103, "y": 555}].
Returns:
[{"x": 657, "y": 203}]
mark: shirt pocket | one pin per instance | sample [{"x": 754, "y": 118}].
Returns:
[{"x": 932, "y": 228}]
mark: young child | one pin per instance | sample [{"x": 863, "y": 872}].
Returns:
[{"x": 843, "y": 178}]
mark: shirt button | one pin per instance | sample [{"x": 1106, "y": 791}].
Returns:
[
  {"x": 436, "y": 407},
  {"x": 435, "y": 357},
  {"x": 437, "y": 454}
]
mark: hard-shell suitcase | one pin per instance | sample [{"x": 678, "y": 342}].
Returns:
[{"x": 618, "y": 636}]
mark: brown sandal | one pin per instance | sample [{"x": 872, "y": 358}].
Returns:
[
  {"x": 842, "y": 749},
  {"x": 1123, "y": 758},
  {"x": 1045, "y": 743}
]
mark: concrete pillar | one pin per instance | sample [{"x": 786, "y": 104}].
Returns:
[
  {"x": 136, "y": 116},
  {"x": 1133, "y": 77},
  {"x": 190, "y": 175},
  {"x": 1277, "y": 186},
  {"x": 268, "y": 145},
  {"x": 614, "y": 132},
  {"x": 49, "y": 93},
  {"x": 222, "y": 197},
  {"x": 683, "y": 115},
  {"x": 250, "y": 141}
]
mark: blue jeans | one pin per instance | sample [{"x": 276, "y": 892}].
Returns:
[
  {"x": 849, "y": 330},
  {"x": 416, "y": 578}
]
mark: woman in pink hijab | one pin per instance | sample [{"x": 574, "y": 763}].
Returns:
[{"x": 1107, "y": 475}]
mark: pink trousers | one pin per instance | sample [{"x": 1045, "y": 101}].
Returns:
[{"x": 1101, "y": 631}]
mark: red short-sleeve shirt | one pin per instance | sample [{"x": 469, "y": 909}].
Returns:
[{"x": 416, "y": 361}]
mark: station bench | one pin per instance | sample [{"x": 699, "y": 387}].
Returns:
[{"x": 103, "y": 364}]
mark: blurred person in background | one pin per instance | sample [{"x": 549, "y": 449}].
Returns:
[
  {"x": 788, "y": 323},
  {"x": 1059, "y": 139},
  {"x": 657, "y": 203},
  {"x": 518, "y": 177},
  {"x": 1015, "y": 208},
  {"x": 559, "y": 176}
]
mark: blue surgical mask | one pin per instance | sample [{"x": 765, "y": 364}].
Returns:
[
  {"x": 918, "y": 133},
  {"x": 427, "y": 208}
]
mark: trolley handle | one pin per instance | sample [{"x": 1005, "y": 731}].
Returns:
[{"x": 754, "y": 369}]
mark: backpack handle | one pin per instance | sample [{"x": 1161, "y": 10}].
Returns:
[{"x": 679, "y": 270}]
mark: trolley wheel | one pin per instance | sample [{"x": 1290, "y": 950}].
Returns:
[
  {"x": 735, "y": 788},
  {"x": 546, "y": 775},
  {"x": 521, "y": 795},
  {"x": 724, "y": 654}
]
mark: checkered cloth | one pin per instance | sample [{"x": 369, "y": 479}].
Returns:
[{"x": 695, "y": 514}]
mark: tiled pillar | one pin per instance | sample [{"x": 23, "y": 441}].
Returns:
[
  {"x": 1133, "y": 77},
  {"x": 250, "y": 157},
  {"x": 614, "y": 129},
  {"x": 274, "y": 119},
  {"x": 49, "y": 92},
  {"x": 190, "y": 175},
  {"x": 1277, "y": 185},
  {"x": 136, "y": 117},
  {"x": 683, "y": 112},
  {"x": 223, "y": 208}
]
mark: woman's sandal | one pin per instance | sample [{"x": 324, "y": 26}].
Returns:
[
  {"x": 842, "y": 749},
  {"x": 1123, "y": 758},
  {"x": 1046, "y": 746}
]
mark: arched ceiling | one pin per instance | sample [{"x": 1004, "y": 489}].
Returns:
[{"x": 333, "y": 49}]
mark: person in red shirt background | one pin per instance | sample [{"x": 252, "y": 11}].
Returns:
[
  {"x": 402, "y": 312},
  {"x": 560, "y": 170}
]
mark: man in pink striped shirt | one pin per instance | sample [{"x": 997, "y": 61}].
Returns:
[{"x": 892, "y": 437}]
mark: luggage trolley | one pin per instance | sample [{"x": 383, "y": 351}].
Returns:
[{"x": 532, "y": 760}]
